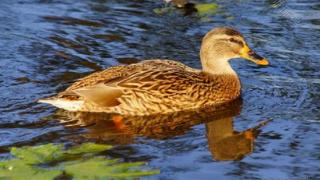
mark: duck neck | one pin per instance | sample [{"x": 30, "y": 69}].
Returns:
[
  {"x": 223, "y": 74},
  {"x": 217, "y": 65}
]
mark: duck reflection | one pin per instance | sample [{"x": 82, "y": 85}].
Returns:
[
  {"x": 227, "y": 144},
  {"x": 224, "y": 142}
]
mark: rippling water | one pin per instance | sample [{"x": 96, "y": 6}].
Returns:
[{"x": 47, "y": 44}]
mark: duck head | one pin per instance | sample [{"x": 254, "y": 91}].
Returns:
[{"x": 223, "y": 44}]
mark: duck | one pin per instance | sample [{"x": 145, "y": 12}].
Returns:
[
  {"x": 178, "y": 3},
  {"x": 162, "y": 86},
  {"x": 187, "y": 7}
]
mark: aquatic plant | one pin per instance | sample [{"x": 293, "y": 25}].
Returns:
[
  {"x": 202, "y": 9},
  {"x": 207, "y": 8},
  {"x": 80, "y": 162}
]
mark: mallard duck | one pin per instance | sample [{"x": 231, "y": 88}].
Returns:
[
  {"x": 177, "y": 3},
  {"x": 185, "y": 5},
  {"x": 163, "y": 86}
]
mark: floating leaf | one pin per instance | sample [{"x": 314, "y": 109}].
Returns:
[
  {"x": 207, "y": 8},
  {"x": 100, "y": 167},
  {"x": 18, "y": 169},
  {"x": 88, "y": 148},
  {"x": 79, "y": 162},
  {"x": 38, "y": 154},
  {"x": 202, "y": 9}
]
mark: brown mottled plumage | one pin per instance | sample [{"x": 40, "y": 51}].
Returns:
[{"x": 163, "y": 86}]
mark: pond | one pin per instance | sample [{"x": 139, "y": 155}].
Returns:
[{"x": 48, "y": 44}]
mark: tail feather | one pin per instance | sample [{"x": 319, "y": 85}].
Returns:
[{"x": 69, "y": 105}]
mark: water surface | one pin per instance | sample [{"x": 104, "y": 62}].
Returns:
[{"x": 48, "y": 44}]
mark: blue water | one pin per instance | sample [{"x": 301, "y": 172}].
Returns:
[{"x": 48, "y": 44}]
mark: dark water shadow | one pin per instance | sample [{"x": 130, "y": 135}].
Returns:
[{"x": 223, "y": 141}]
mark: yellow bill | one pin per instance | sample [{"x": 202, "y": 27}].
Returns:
[{"x": 250, "y": 55}]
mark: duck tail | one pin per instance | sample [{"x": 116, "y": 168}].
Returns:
[{"x": 63, "y": 103}]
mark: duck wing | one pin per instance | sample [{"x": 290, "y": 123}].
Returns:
[{"x": 158, "y": 77}]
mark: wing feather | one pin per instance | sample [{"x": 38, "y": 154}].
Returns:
[
  {"x": 162, "y": 77},
  {"x": 100, "y": 95}
]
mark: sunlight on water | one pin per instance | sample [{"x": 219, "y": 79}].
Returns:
[{"x": 47, "y": 45}]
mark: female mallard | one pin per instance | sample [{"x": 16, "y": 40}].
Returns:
[{"x": 163, "y": 86}]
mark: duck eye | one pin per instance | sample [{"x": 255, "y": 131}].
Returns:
[{"x": 236, "y": 41}]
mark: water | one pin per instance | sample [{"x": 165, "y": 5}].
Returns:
[{"x": 47, "y": 44}]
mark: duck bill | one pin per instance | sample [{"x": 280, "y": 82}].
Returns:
[{"x": 250, "y": 55}]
